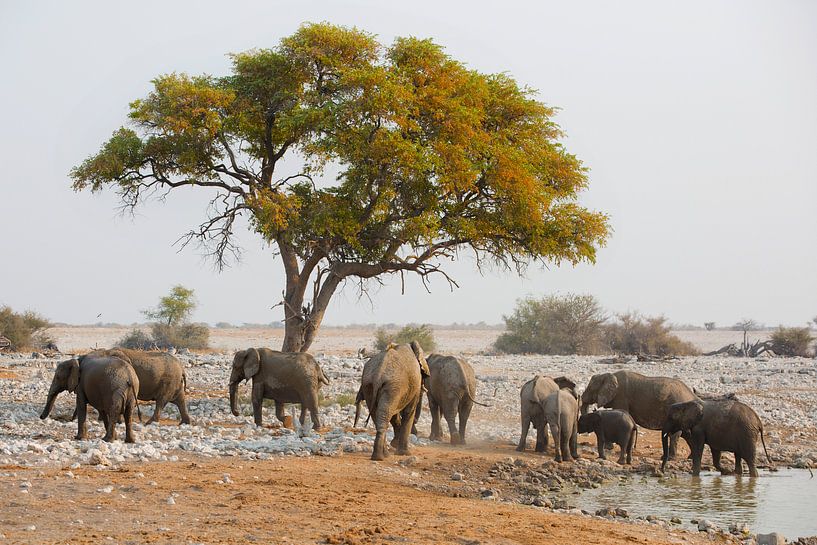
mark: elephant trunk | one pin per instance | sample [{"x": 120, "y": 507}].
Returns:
[
  {"x": 49, "y": 404},
  {"x": 234, "y": 397},
  {"x": 585, "y": 406}
]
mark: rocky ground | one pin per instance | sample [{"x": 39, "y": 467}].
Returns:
[{"x": 782, "y": 391}]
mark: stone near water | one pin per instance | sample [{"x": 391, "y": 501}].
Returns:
[{"x": 770, "y": 539}]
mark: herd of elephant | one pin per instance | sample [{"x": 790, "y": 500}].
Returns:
[{"x": 392, "y": 385}]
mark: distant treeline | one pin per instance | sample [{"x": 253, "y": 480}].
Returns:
[{"x": 478, "y": 326}]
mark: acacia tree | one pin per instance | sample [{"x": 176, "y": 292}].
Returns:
[{"x": 432, "y": 158}]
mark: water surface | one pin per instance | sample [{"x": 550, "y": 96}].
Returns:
[{"x": 782, "y": 501}]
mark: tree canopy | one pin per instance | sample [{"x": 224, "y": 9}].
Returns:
[
  {"x": 174, "y": 308},
  {"x": 431, "y": 158}
]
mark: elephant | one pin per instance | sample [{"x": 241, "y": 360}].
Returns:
[
  {"x": 724, "y": 425},
  {"x": 531, "y": 397},
  {"x": 108, "y": 383},
  {"x": 161, "y": 378},
  {"x": 612, "y": 426},
  {"x": 286, "y": 377},
  {"x": 561, "y": 411},
  {"x": 391, "y": 385},
  {"x": 451, "y": 389},
  {"x": 646, "y": 399}
]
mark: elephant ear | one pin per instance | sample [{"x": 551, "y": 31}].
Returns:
[
  {"x": 252, "y": 363},
  {"x": 73, "y": 375},
  {"x": 687, "y": 415},
  {"x": 420, "y": 355},
  {"x": 607, "y": 390}
]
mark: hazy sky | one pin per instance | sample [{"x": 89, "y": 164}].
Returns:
[{"x": 698, "y": 121}]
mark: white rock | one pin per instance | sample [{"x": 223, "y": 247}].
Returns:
[
  {"x": 105, "y": 489},
  {"x": 171, "y": 501}
]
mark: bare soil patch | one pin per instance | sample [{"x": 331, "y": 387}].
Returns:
[{"x": 346, "y": 499}]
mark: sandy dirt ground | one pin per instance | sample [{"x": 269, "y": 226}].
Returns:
[{"x": 338, "y": 500}]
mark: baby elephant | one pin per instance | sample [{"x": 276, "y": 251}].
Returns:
[
  {"x": 560, "y": 411},
  {"x": 612, "y": 427}
]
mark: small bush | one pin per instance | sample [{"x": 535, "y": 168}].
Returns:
[
  {"x": 569, "y": 324},
  {"x": 636, "y": 334},
  {"x": 423, "y": 334},
  {"x": 791, "y": 341},
  {"x": 136, "y": 339},
  {"x": 344, "y": 399},
  {"x": 195, "y": 336},
  {"x": 24, "y": 330}
]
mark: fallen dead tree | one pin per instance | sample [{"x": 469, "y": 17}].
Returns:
[
  {"x": 745, "y": 350},
  {"x": 5, "y": 344}
]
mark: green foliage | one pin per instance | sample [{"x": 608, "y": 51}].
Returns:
[
  {"x": 24, "y": 330},
  {"x": 791, "y": 341},
  {"x": 136, "y": 339},
  {"x": 174, "y": 308},
  {"x": 194, "y": 336},
  {"x": 430, "y": 156},
  {"x": 636, "y": 334},
  {"x": 569, "y": 324},
  {"x": 423, "y": 334}
]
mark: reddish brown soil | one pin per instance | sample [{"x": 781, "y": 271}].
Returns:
[{"x": 347, "y": 499}]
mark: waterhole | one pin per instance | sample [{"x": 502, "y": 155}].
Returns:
[{"x": 784, "y": 501}]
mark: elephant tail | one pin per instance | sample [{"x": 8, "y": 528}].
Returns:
[
  {"x": 358, "y": 401},
  {"x": 635, "y": 439},
  {"x": 135, "y": 400},
  {"x": 184, "y": 381},
  {"x": 467, "y": 393},
  {"x": 322, "y": 377},
  {"x": 373, "y": 408},
  {"x": 763, "y": 442}
]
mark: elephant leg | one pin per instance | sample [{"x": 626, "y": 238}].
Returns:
[
  {"x": 157, "y": 411},
  {"x": 405, "y": 428},
  {"x": 541, "y": 436},
  {"x": 302, "y": 418},
  {"x": 381, "y": 422},
  {"x": 181, "y": 404},
  {"x": 750, "y": 461},
  {"x": 600, "y": 441},
  {"x": 465, "y": 411},
  {"x": 565, "y": 439},
  {"x": 697, "y": 454},
  {"x": 396, "y": 422},
  {"x": 716, "y": 461},
  {"x": 622, "y": 457},
  {"x": 110, "y": 425},
  {"x": 311, "y": 403},
  {"x": 556, "y": 432},
  {"x": 257, "y": 403},
  {"x": 434, "y": 409},
  {"x": 739, "y": 464},
  {"x": 129, "y": 422},
  {"x": 631, "y": 445},
  {"x": 279, "y": 411},
  {"x": 82, "y": 415},
  {"x": 523, "y": 439},
  {"x": 450, "y": 414}
]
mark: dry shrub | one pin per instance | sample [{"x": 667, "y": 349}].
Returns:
[
  {"x": 633, "y": 333},
  {"x": 568, "y": 324},
  {"x": 24, "y": 330},
  {"x": 423, "y": 334},
  {"x": 194, "y": 336},
  {"x": 136, "y": 339},
  {"x": 792, "y": 341}
]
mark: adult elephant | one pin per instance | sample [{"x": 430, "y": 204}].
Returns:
[
  {"x": 532, "y": 397},
  {"x": 723, "y": 424},
  {"x": 285, "y": 377},
  {"x": 647, "y": 399},
  {"x": 451, "y": 389},
  {"x": 391, "y": 385},
  {"x": 161, "y": 378},
  {"x": 108, "y": 384}
]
